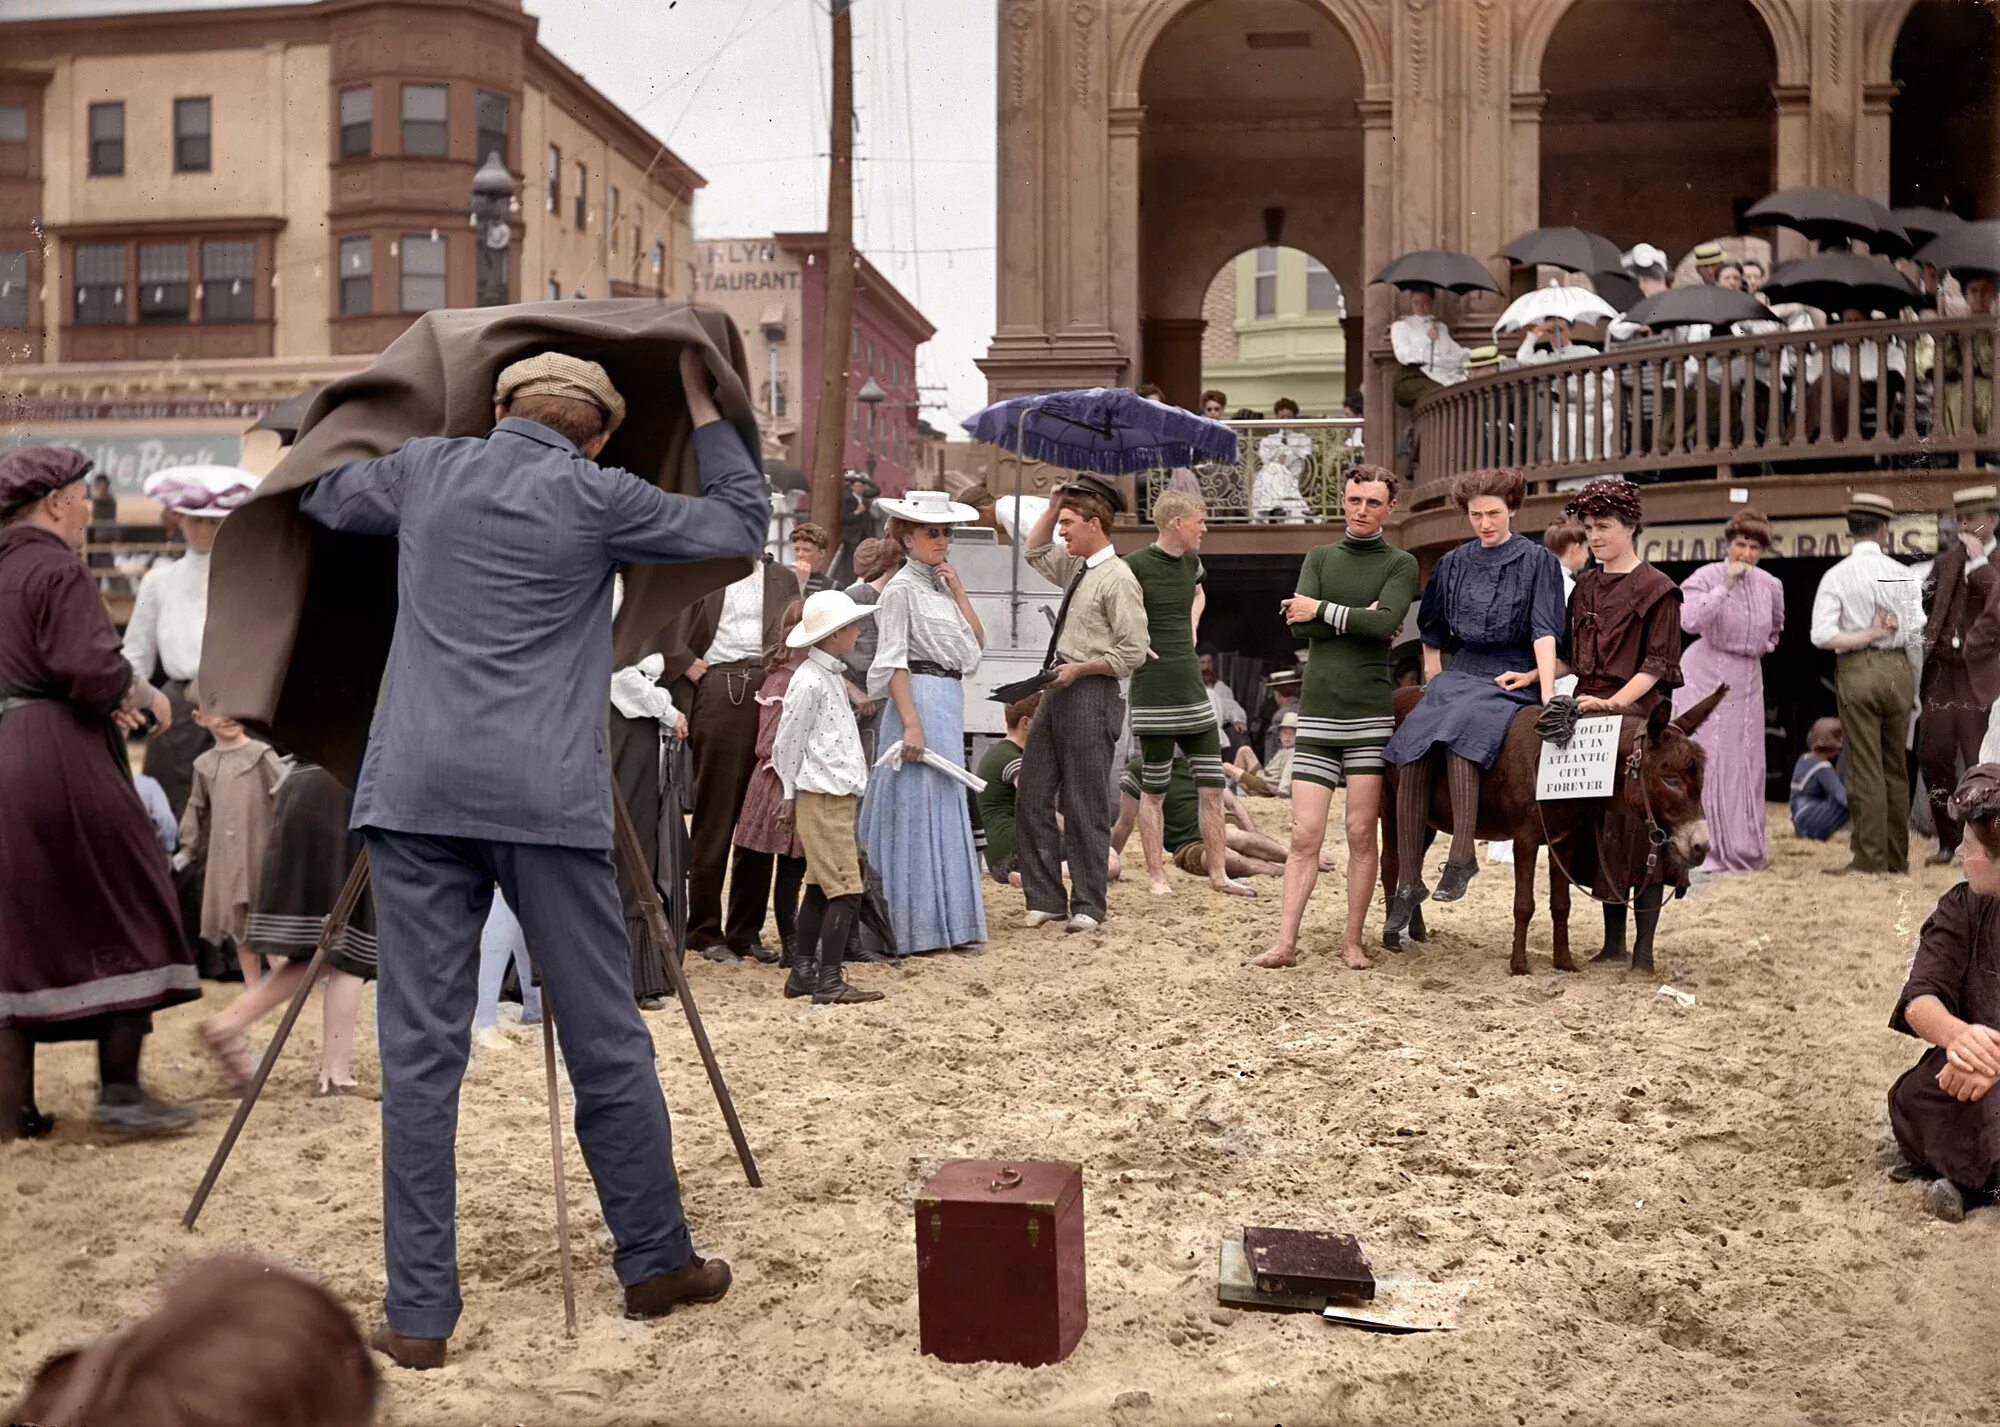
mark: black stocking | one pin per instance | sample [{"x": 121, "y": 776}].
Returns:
[
  {"x": 1614, "y": 934},
  {"x": 118, "y": 1058},
  {"x": 785, "y": 894},
  {"x": 1462, "y": 782},
  {"x": 18, "y": 1115},
  {"x": 1413, "y": 806}
]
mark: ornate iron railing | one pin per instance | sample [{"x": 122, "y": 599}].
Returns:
[
  {"x": 1285, "y": 473},
  {"x": 1909, "y": 394}
]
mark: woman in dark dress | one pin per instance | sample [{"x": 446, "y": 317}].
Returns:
[
  {"x": 1495, "y": 604},
  {"x": 1625, "y": 650},
  {"x": 90, "y": 937},
  {"x": 1943, "y": 1109}
]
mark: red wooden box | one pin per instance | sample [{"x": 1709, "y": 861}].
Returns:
[{"x": 1000, "y": 1262}]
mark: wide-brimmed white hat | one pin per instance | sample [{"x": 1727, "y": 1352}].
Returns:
[
  {"x": 826, "y": 613},
  {"x": 207, "y": 491},
  {"x": 926, "y": 508}
]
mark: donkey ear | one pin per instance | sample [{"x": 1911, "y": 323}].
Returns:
[
  {"x": 1695, "y": 717},
  {"x": 1657, "y": 720}
]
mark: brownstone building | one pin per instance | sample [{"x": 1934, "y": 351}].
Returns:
[{"x": 256, "y": 195}]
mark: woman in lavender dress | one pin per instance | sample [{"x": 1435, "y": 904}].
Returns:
[{"x": 1738, "y": 611}]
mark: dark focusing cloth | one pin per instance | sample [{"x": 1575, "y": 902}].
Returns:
[
  {"x": 300, "y": 617},
  {"x": 89, "y": 923}
]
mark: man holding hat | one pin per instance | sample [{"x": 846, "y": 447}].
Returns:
[
  {"x": 90, "y": 934},
  {"x": 1867, "y": 612},
  {"x": 1100, "y": 637},
  {"x": 486, "y": 762},
  {"x": 1952, "y": 720},
  {"x": 164, "y": 632}
]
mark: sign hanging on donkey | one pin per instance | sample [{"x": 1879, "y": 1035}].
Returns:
[{"x": 1587, "y": 768}]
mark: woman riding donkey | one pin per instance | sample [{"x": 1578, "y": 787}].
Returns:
[
  {"x": 1495, "y": 604},
  {"x": 1625, "y": 650}
]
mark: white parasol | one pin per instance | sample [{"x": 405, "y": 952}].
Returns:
[{"x": 1569, "y": 304}]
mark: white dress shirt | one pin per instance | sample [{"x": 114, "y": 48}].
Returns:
[
  {"x": 168, "y": 618},
  {"x": 918, "y": 620},
  {"x": 636, "y": 691},
  {"x": 817, "y": 748},
  {"x": 1427, "y": 343},
  {"x": 1228, "y": 713},
  {"x": 739, "y": 634},
  {"x": 1852, "y": 591}
]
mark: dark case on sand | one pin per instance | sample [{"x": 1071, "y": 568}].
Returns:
[
  {"x": 1305, "y": 1261},
  {"x": 1000, "y": 1261}
]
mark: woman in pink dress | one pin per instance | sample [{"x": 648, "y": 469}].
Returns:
[{"x": 1738, "y": 611}]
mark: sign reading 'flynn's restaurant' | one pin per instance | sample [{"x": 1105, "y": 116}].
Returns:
[
  {"x": 1815, "y": 537},
  {"x": 739, "y": 266}
]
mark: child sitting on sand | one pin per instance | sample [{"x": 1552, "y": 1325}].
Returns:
[{"x": 1819, "y": 798}]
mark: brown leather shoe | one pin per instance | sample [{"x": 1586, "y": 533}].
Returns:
[
  {"x": 699, "y": 1280},
  {"x": 417, "y": 1353}
]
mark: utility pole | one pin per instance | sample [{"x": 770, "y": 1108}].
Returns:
[{"x": 830, "y": 429}]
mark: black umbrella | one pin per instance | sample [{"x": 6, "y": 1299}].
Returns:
[
  {"x": 784, "y": 476},
  {"x": 1837, "y": 280},
  {"x": 1924, "y": 224},
  {"x": 1577, "y": 249},
  {"x": 1684, "y": 306},
  {"x": 1828, "y": 216},
  {"x": 1616, "y": 287},
  {"x": 1438, "y": 267},
  {"x": 287, "y": 416},
  {"x": 1969, "y": 250}
]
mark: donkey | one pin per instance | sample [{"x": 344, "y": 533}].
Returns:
[{"x": 1659, "y": 779}]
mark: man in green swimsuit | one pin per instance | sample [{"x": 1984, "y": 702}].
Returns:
[
  {"x": 1001, "y": 769},
  {"x": 1351, "y": 600},
  {"x": 1170, "y": 708}
]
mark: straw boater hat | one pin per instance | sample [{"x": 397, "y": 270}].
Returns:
[
  {"x": 206, "y": 492},
  {"x": 1708, "y": 255},
  {"x": 559, "y": 374},
  {"x": 926, "y": 508},
  {"x": 1976, "y": 500},
  {"x": 1288, "y": 719},
  {"x": 1480, "y": 358},
  {"x": 1878, "y": 506},
  {"x": 827, "y": 612},
  {"x": 1283, "y": 679}
]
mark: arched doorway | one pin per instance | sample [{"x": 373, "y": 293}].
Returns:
[
  {"x": 1273, "y": 328},
  {"x": 1660, "y": 123},
  {"x": 1944, "y": 139},
  {"x": 1251, "y": 139}
]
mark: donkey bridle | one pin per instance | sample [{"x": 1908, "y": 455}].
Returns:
[{"x": 1656, "y": 835}]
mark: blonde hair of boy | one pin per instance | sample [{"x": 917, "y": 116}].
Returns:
[{"x": 1177, "y": 505}]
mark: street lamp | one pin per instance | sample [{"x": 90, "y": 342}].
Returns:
[
  {"x": 492, "y": 220},
  {"x": 872, "y": 396}
]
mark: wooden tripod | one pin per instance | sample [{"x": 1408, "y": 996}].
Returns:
[{"x": 641, "y": 876}]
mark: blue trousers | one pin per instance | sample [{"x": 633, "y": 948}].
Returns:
[{"x": 432, "y": 895}]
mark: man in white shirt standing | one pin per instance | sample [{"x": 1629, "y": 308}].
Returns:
[
  {"x": 1431, "y": 358},
  {"x": 1869, "y": 613},
  {"x": 732, "y": 630},
  {"x": 164, "y": 632}
]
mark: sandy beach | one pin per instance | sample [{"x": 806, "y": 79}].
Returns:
[{"x": 1670, "y": 1214}]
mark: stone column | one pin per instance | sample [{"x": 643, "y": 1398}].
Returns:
[
  {"x": 1122, "y": 228},
  {"x": 1077, "y": 209},
  {"x": 1835, "y": 42},
  {"x": 1378, "y": 245},
  {"x": 1872, "y": 142},
  {"x": 1019, "y": 334},
  {"x": 1792, "y": 157}
]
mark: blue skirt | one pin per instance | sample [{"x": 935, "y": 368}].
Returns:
[
  {"x": 917, "y": 830},
  {"x": 1464, "y": 710}
]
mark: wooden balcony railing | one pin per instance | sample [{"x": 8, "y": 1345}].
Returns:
[
  {"x": 1285, "y": 473},
  {"x": 1853, "y": 395}
]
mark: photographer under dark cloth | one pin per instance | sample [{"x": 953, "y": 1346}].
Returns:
[{"x": 486, "y": 762}]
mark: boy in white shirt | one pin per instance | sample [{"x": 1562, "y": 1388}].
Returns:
[{"x": 818, "y": 757}]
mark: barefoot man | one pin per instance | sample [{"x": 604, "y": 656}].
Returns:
[
  {"x": 1351, "y": 601},
  {"x": 1169, "y": 706}
]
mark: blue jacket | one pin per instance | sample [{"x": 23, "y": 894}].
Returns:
[{"x": 492, "y": 715}]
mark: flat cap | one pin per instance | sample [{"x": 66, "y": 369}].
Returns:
[
  {"x": 1867, "y": 503},
  {"x": 28, "y": 473},
  {"x": 1105, "y": 489},
  {"x": 559, "y": 374},
  {"x": 1974, "y": 500},
  {"x": 1977, "y": 798}
]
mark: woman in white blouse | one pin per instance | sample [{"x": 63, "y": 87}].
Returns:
[{"x": 915, "y": 827}]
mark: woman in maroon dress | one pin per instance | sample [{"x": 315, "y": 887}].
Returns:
[
  {"x": 1943, "y": 1109},
  {"x": 1625, "y": 650},
  {"x": 90, "y": 938}
]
